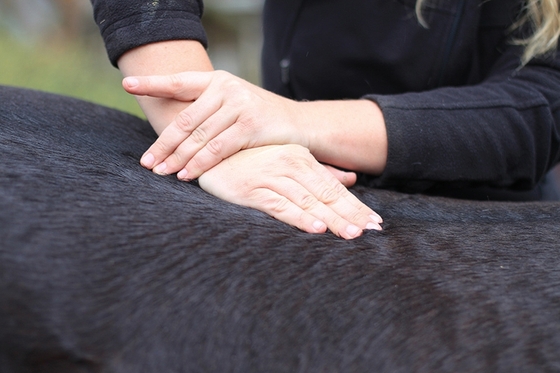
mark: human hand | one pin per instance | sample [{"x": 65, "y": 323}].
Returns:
[
  {"x": 163, "y": 58},
  {"x": 227, "y": 114},
  {"x": 287, "y": 183}
]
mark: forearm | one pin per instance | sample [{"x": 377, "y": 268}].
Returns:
[
  {"x": 230, "y": 114},
  {"x": 349, "y": 134},
  {"x": 163, "y": 58},
  {"x": 501, "y": 133}
]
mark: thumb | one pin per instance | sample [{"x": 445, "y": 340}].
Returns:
[
  {"x": 186, "y": 86},
  {"x": 347, "y": 179}
]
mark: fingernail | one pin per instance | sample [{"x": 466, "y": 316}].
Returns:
[
  {"x": 352, "y": 230},
  {"x": 371, "y": 225},
  {"x": 160, "y": 168},
  {"x": 148, "y": 160},
  {"x": 182, "y": 174},
  {"x": 319, "y": 226},
  {"x": 376, "y": 218},
  {"x": 132, "y": 82}
]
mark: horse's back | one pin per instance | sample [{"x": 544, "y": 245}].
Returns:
[{"x": 105, "y": 266}]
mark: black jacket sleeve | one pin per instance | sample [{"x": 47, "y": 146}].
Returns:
[
  {"x": 503, "y": 132},
  {"x": 459, "y": 111},
  {"x": 125, "y": 25}
]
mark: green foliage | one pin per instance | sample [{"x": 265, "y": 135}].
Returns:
[{"x": 71, "y": 68}]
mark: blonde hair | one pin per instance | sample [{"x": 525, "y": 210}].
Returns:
[{"x": 543, "y": 16}]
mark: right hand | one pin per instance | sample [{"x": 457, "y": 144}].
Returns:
[
  {"x": 288, "y": 183},
  {"x": 225, "y": 115}
]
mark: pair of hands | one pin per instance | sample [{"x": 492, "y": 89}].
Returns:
[{"x": 249, "y": 146}]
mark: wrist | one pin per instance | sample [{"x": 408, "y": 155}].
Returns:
[
  {"x": 350, "y": 134},
  {"x": 163, "y": 58}
]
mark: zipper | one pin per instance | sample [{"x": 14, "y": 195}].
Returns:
[
  {"x": 451, "y": 41},
  {"x": 285, "y": 62}
]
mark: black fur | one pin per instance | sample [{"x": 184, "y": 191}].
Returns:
[{"x": 106, "y": 267}]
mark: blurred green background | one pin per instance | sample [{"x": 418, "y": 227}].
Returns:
[{"x": 54, "y": 45}]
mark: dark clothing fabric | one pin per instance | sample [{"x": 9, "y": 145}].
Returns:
[
  {"x": 461, "y": 114},
  {"x": 127, "y": 24}
]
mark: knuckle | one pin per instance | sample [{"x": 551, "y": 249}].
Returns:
[
  {"x": 236, "y": 96},
  {"x": 308, "y": 202},
  {"x": 198, "y": 163},
  {"x": 236, "y": 89},
  {"x": 184, "y": 121},
  {"x": 242, "y": 93},
  {"x": 176, "y": 82},
  {"x": 199, "y": 135},
  {"x": 160, "y": 147},
  {"x": 328, "y": 195},
  {"x": 339, "y": 188},
  {"x": 287, "y": 156},
  {"x": 244, "y": 127},
  {"x": 221, "y": 74},
  {"x": 284, "y": 155},
  {"x": 223, "y": 78},
  {"x": 337, "y": 225},
  {"x": 277, "y": 205},
  {"x": 176, "y": 159},
  {"x": 292, "y": 151},
  {"x": 215, "y": 147},
  {"x": 356, "y": 217}
]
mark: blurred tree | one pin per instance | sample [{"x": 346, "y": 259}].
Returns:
[
  {"x": 47, "y": 20},
  {"x": 54, "y": 45}
]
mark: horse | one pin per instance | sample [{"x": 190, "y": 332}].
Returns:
[{"x": 107, "y": 267}]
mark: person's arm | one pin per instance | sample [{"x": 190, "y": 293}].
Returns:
[
  {"x": 166, "y": 57},
  {"x": 349, "y": 134},
  {"x": 148, "y": 39},
  {"x": 126, "y": 25},
  {"x": 145, "y": 38},
  {"x": 229, "y": 114},
  {"x": 166, "y": 37},
  {"x": 286, "y": 182},
  {"x": 503, "y": 132}
]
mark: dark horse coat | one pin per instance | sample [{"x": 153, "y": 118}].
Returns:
[{"x": 106, "y": 267}]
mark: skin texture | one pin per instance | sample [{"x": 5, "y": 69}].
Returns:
[
  {"x": 167, "y": 57},
  {"x": 229, "y": 114},
  {"x": 204, "y": 117},
  {"x": 290, "y": 178}
]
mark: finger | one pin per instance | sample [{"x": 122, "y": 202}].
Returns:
[
  {"x": 294, "y": 205},
  {"x": 225, "y": 144},
  {"x": 349, "y": 196},
  {"x": 305, "y": 199},
  {"x": 206, "y": 146},
  {"x": 250, "y": 193},
  {"x": 187, "y": 86},
  {"x": 347, "y": 179},
  {"x": 332, "y": 193},
  {"x": 283, "y": 209},
  {"x": 183, "y": 126}
]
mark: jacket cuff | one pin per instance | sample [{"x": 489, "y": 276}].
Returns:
[{"x": 136, "y": 31}]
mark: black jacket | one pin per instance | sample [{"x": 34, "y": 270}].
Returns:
[{"x": 459, "y": 110}]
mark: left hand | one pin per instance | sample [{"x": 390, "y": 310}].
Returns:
[
  {"x": 227, "y": 114},
  {"x": 287, "y": 183}
]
